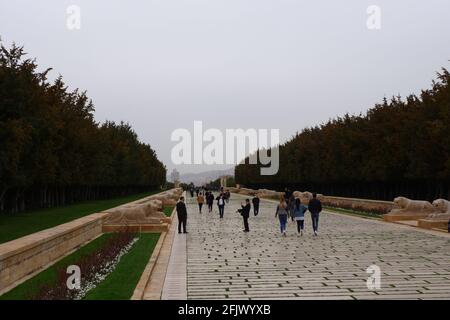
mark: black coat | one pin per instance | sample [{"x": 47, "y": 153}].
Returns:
[
  {"x": 181, "y": 209},
  {"x": 245, "y": 212},
  {"x": 315, "y": 206},
  {"x": 255, "y": 201}
]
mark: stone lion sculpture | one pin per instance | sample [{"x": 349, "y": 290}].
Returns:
[
  {"x": 442, "y": 207},
  {"x": 145, "y": 213},
  {"x": 168, "y": 198},
  {"x": 408, "y": 206}
]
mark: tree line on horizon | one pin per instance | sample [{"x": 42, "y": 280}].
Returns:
[
  {"x": 400, "y": 147},
  {"x": 53, "y": 152}
]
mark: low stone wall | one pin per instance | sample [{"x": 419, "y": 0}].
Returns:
[
  {"x": 364, "y": 205},
  {"x": 26, "y": 255}
]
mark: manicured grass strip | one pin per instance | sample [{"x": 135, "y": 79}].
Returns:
[
  {"x": 21, "y": 224},
  {"x": 168, "y": 211},
  {"x": 120, "y": 284},
  {"x": 352, "y": 212},
  {"x": 27, "y": 289}
]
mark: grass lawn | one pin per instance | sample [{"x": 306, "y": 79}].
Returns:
[
  {"x": 27, "y": 289},
  {"x": 120, "y": 284},
  {"x": 21, "y": 224},
  {"x": 168, "y": 211}
]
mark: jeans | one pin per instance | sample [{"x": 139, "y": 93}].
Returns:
[
  {"x": 200, "y": 205},
  {"x": 256, "y": 209},
  {"x": 315, "y": 221},
  {"x": 300, "y": 225},
  {"x": 210, "y": 207},
  {"x": 221, "y": 211},
  {"x": 283, "y": 221}
]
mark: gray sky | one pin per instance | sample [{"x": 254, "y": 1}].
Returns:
[{"x": 160, "y": 65}]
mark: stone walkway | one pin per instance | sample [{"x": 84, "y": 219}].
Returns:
[
  {"x": 175, "y": 281},
  {"x": 225, "y": 263}
]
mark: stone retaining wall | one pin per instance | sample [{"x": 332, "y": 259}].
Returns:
[
  {"x": 23, "y": 257},
  {"x": 26, "y": 255}
]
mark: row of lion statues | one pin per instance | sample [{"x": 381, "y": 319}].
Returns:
[
  {"x": 438, "y": 209},
  {"x": 148, "y": 210}
]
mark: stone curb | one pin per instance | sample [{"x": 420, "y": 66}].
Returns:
[{"x": 138, "y": 293}]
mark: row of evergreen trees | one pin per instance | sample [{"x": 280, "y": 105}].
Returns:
[
  {"x": 52, "y": 152},
  {"x": 399, "y": 147}
]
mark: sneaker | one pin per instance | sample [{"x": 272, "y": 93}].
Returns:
[
  {"x": 315, "y": 233},
  {"x": 301, "y": 233}
]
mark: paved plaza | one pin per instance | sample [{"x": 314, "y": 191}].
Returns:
[{"x": 223, "y": 262}]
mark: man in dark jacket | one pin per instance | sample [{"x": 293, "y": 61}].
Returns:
[
  {"x": 182, "y": 215},
  {"x": 245, "y": 213},
  {"x": 315, "y": 207},
  {"x": 255, "y": 202}
]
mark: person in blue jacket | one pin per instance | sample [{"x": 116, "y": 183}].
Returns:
[{"x": 299, "y": 215}]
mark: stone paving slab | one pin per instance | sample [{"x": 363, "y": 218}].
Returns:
[{"x": 223, "y": 262}]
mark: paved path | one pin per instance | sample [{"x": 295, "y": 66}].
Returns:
[
  {"x": 175, "y": 281},
  {"x": 224, "y": 262}
]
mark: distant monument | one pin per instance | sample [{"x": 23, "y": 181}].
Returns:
[{"x": 175, "y": 176}]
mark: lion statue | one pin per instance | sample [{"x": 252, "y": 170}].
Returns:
[
  {"x": 408, "y": 206},
  {"x": 144, "y": 213},
  {"x": 442, "y": 207}
]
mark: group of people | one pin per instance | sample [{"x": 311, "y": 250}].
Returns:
[
  {"x": 296, "y": 210},
  {"x": 289, "y": 206}
]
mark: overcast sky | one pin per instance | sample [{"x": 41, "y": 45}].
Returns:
[{"x": 286, "y": 64}]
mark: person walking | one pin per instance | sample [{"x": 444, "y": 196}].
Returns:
[
  {"x": 299, "y": 215},
  {"x": 200, "y": 201},
  {"x": 227, "y": 196},
  {"x": 282, "y": 215},
  {"x": 245, "y": 213},
  {"x": 182, "y": 215},
  {"x": 291, "y": 206},
  {"x": 210, "y": 201},
  {"x": 255, "y": 202},
  {"x": 315, "y": 207},
  {"x": 221, "y": 204}
]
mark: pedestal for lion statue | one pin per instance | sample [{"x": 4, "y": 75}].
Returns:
[
  {"x": 143, "y": 215},
  {"x": 439, "y": 219},
  {"x": 407, "y": 209}
]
